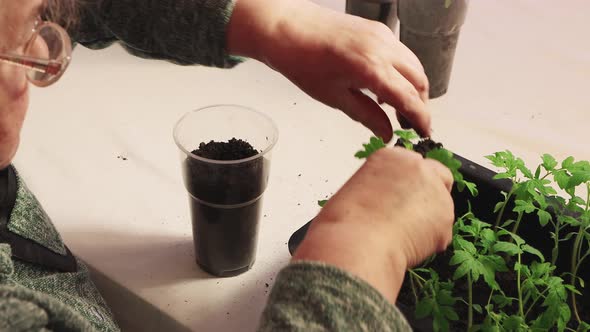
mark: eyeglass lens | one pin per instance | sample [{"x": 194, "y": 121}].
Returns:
[{"x": 48, "y": 43}]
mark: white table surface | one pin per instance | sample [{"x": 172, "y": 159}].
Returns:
[{"x": 520, "y": 82}]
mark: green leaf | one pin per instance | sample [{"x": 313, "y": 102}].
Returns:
[
  {"x": 540, "y": 269},
  {"x": 567, "y": 162},
  {"x": 440, "y": 323},
  {"x": 446, "y": 158},
  {"x": 533, "y": 251},
  {"x": 462, "y": 270},
  {"x": 459, "y": 243},
  {"x": 459, "y": 257},
  {"x": 503, "y": 159},
  {"x": 424, "y": 308},
  {"x": 513, "y": 323},
  {"x": 477, "y": 308},
  {"x": 508, "y": 223},
  {"x": 538, "y": 172},
  {"x": 407, "y": 135},
  {"x": 489, "y": 274},
  {"x": 524, "y": 269},
  {"x": 573, "y": 289},
  {"x": 578, "y": 178},
  {"x": 375, "y": 143},
  {"x": 477, "y": 269},
  {"x": 516, "y": 238},
  {"x": 567, "y": 237},
  {"x": 577, "y": 200},
  {"x": 569, "y": 220},
  {"x": 448, "y": 3},
  {"x": 322, "y": 202},
  {"x": 562, "y": 178},
  {"x": 502, "y": 301},
  {"x": 488, "y": 235},
  {"x": 549, "y": 162},
  {"x": 565, "y": 314},
  {"x": 444, "y": 297},
  {"x": 499, "y": 206},
  {"x": 501, "y": 176},
  {"x": 544, "y": 217},
  {"x": 523, "y": 206},
  {"x": 495, "y": 262},
  {"x": 524, "y": 170},
  {"x": 507, "y": 247},
  {"x": 472, "y": 187},
  {"x": 584, "y": 327},
  {"x": 449, "y": 313}
]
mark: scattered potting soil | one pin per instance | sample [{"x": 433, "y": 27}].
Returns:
[{"x": 225, "y": 205}]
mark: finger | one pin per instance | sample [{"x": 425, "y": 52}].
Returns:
[
  {"x": 442, "y": 171},
  {"x": 398, "y": 92},
  {"x": 414, "y": 73},
  {"x": 403, "y": 122},
  {"x": 365, "y": 110},
  {"x": 410, "y": 56}
]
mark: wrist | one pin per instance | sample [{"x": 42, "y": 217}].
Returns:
[
  {"x": 254, "y": 25},
  {"x": 359, "y": 249}
]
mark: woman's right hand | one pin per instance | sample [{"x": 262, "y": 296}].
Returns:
[
  {"x": 333, "y": 57},
  {"x": 391, "y": 215}
]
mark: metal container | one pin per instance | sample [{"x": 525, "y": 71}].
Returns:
[{"x": 384, "y": 11}]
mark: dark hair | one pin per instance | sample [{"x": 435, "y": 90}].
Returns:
[{"x": 63, "y": 12}]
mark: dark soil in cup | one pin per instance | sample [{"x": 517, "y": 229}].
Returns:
[
  {"x": 225, "y": 205},
  {"x": 234, "y": 149}
]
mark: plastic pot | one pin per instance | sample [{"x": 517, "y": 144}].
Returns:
[
  {"x": 431, "y": 30},
  {"x": 384, "y": 11}
]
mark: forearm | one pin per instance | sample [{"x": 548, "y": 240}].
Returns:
[
  {"x": 266, "y": 29},
  {"x": 181, "y": 31},
  {"x": 251, "y": 25},
  {"x": 358, "y": 249},
  {"x": 316, "y": 296}
]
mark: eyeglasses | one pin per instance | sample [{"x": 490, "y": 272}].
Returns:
[{"x": 47, "y": 54}]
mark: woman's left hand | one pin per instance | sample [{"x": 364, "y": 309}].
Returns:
[{"x": 332, "y": 56}]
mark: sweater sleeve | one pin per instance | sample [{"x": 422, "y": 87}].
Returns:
[
  {"x": 316, "y": 297},
  {"x": 185, "y": 32}
]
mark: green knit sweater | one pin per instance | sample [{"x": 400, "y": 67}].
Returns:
[
  {"x": 306, "y": 296},
  {"x": 44, "y": 288}
]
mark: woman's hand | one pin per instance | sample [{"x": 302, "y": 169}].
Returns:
[
  {"x": 332, "y": 56},
  {"x": 391, "y": 215}
]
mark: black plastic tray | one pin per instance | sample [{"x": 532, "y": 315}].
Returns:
[{"x": 490, "y": 192}]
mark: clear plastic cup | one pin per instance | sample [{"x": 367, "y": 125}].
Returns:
[{"x": 225, "y": 196}]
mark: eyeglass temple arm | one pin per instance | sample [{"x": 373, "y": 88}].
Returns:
[{"x": 51, "y": 67}]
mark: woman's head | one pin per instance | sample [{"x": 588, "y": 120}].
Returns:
[{"x": 18, "y": 18}]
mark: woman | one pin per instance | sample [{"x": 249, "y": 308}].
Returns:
[{"x": 351, "y": 285}]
